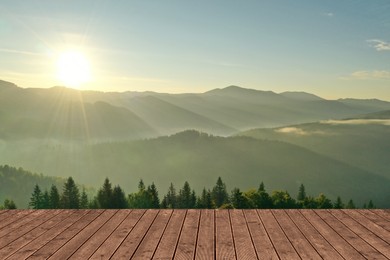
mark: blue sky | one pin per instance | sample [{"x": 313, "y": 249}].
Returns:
[{"x": 330, "y": 48}]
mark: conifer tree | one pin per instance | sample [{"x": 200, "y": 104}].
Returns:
[
  {"x": 36, "y": 198},
  {"x": 323, "y": 202},
  {"x": 301, "y": 193},
  {"x": 263, "y": 199},
  {"x": 204, "y": 201},
  {"x": 153, "y": 195},
  {"x": 370, "y": 205},
  {"x": 84, "y": 203},
  {"x": 350, "y": 205},
  {"x": 282, "y": 200},
  {"x": 186, "y": 198},
  {"x": 9, "y": 204},
  {"x": 170, "y": 198},
  {"x": 54, "y": 197},
  {"x": 118, "y": 198},
  {"x": 219, "y": 193},
  {"x": 238, "y": 200},
  {"x": 46, "y": 200},
  {"x": 70, "y": 197},
  {"x": 261, "y": 187},
  {"x": 104, "y": 196},
  {"x": 338, "y": 204}
]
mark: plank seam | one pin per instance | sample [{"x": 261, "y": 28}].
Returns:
[
  {"x": 250, "y": 234},
  {"x": 266, "y": 231},
  {"x": 180, "y": 233},
  {"x": 162, "y": 234}
]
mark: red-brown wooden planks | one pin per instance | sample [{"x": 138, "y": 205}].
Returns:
[
  {"x": 384, "y": 213},
  {"x": 342, "y": 246},
  {"x": 50, "y": 248},
  {"x": 16, "y": 221},
  {"x": 375, "y": 218},
  {"x": 363, "y": 232},
  {"x": 107, "y": 249},
  {"x": 93, "y": 243},
  {"x": 36, "y": 220},
  {"x": 206, "y": 244},
  {"x": 359, "y": 244},
  {"x": 41, "y": 227},
  {"x": 167, "y": 246},
  {"x": 187, "y": 241},
  {"x": 36, "y": 244},
  {"x": 134, "y": 238},
  {"x": 149, "y": 244},
  {"x": 81, "y": 237},
  {"x": 260, "y": 238},
  {"x": 224, "y": 244},
  {"x": 281, "y": 243},
  {"x": 316, "y": 239},
  {"x": 242, "y": 239},
  {"x": 300, "y": 243}
]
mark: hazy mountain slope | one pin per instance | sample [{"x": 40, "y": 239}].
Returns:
[
  {"x": 198, "y": 158},
  {"x": 363, "y": 142},
  {"x": 367, "y": 105},
  {"x": 18, "y": 184},
  {"x": 60, "y": 113}
]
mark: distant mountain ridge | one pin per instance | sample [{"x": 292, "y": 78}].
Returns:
[{"x": 71, "y": 114}]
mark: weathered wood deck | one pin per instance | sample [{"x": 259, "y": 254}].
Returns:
[{"x": 200, "y": 234}]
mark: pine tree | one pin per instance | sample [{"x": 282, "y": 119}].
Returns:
[
  {"x": 46, "y": 200},
  {"x": 70, "y": 197},
  {"x": 9, "y": 204},
  {"x": 153, "y": 195},
  {"x": 204, "y": 201},
  {"x": 104, "y": 195},
  {"x": 370, "y": 205},
  {"x": 338, "y": 204},
  {"x": 118, "y": 198},
  {"x": 185, "y": 198},
  {"x": 261, "y": 187},
  {"x": 301, "y": 193},
  {"x": 36, "y": 198},
  {"x": 84, "y": 203},
  {"x": 219, "y": 193},
  {"x": 282, "y": 200},
  {"x": 238, "y": 200},
  {"x": 170, "y": 199},
  {"x": 54, "y": 197},
  {"x": 350, "y": 205}
]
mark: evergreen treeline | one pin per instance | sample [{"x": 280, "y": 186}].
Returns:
[{"x": 109, "y": 197}]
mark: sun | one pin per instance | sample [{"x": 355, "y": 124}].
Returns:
[{"x": 73, "y": 68}]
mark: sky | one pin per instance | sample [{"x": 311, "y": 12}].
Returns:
[{"x": 333, "y": 48}]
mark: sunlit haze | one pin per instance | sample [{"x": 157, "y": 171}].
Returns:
[{"x": 330, "y": 48}]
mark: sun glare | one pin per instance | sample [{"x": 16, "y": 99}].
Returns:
[{"x": 73, "y": 68}]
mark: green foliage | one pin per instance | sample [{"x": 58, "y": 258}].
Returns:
[
  {"x": 205, "y": 201},
  {"x": 301, "y": 193},
  {"x": 118, "y": 198},
  {"x": 239, "y": 200},
  {"x": 84, "y": 203},
  {"x": 8, "y": 204},
  {"x": 104, "y": 196},
  {"x": 219, "y": 193},
  {"x": 323, "y": 202},
  {"x": 186, "y": 198},
  {"x": 170, "y": 199},
  {"x": 36, "y": 198},
  {"x": 70, "y": 198},
  {"x": 141, "y": 199},
  {"x": 350, "y": 205},
  {"x": 282, "y": 200},
  {"x": 54, "y": 197}
]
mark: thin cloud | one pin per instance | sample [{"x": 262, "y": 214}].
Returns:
[
  {"x": 379, "y": 45},
  {"x": 329, "y": 14},
  {"x": 368, "y": 75},
  {"x": 21, "y": 52}
]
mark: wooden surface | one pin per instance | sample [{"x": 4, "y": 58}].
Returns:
[{"x": 195, "y": 234}]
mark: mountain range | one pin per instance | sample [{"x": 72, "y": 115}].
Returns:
[{"x": 338, "y": 147}]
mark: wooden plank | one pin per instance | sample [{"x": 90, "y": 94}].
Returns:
[
  {"x": 188, "y": 237},
  {"x": 281, "y": 243},
  {"x": 297, "y": 239},
  {"x": 342, "y": 246},
  {"x": 36, "y": 220},
  {"x": 167, "y": 246},
  {"x": 317, "y": 241},
  {"x": 224, "y": 244},
  {"x": 359, "y": 244},
  {"x": 11, "y": 219},
  {"x": 107, "y": 249},
  {"x": 34, "y": 233},
  {"x": 242, "y": 239},
  {"x": 149, "y": 244},
  {"x": 78, "y": 240},
  {"x": 36, "y": 244},
  {"x": 384, "y": 213},
  {"x": 2, "y": 211},
  {"x": 375, "y": 218},
  {"x": 363, "y": 232},
  {"x": 103, "y": 232},
  {"x": 51, "y": 247},
  {"x": 134, "y": 238},
  {"x": 206, "y": 244},
  {"x": 260, "y": 238},
  {"x": 370, "y": 225}
]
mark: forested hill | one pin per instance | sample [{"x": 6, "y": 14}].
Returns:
[
  {"x": 200, "y": 158},
  {"x": 17, "y": 184}
]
